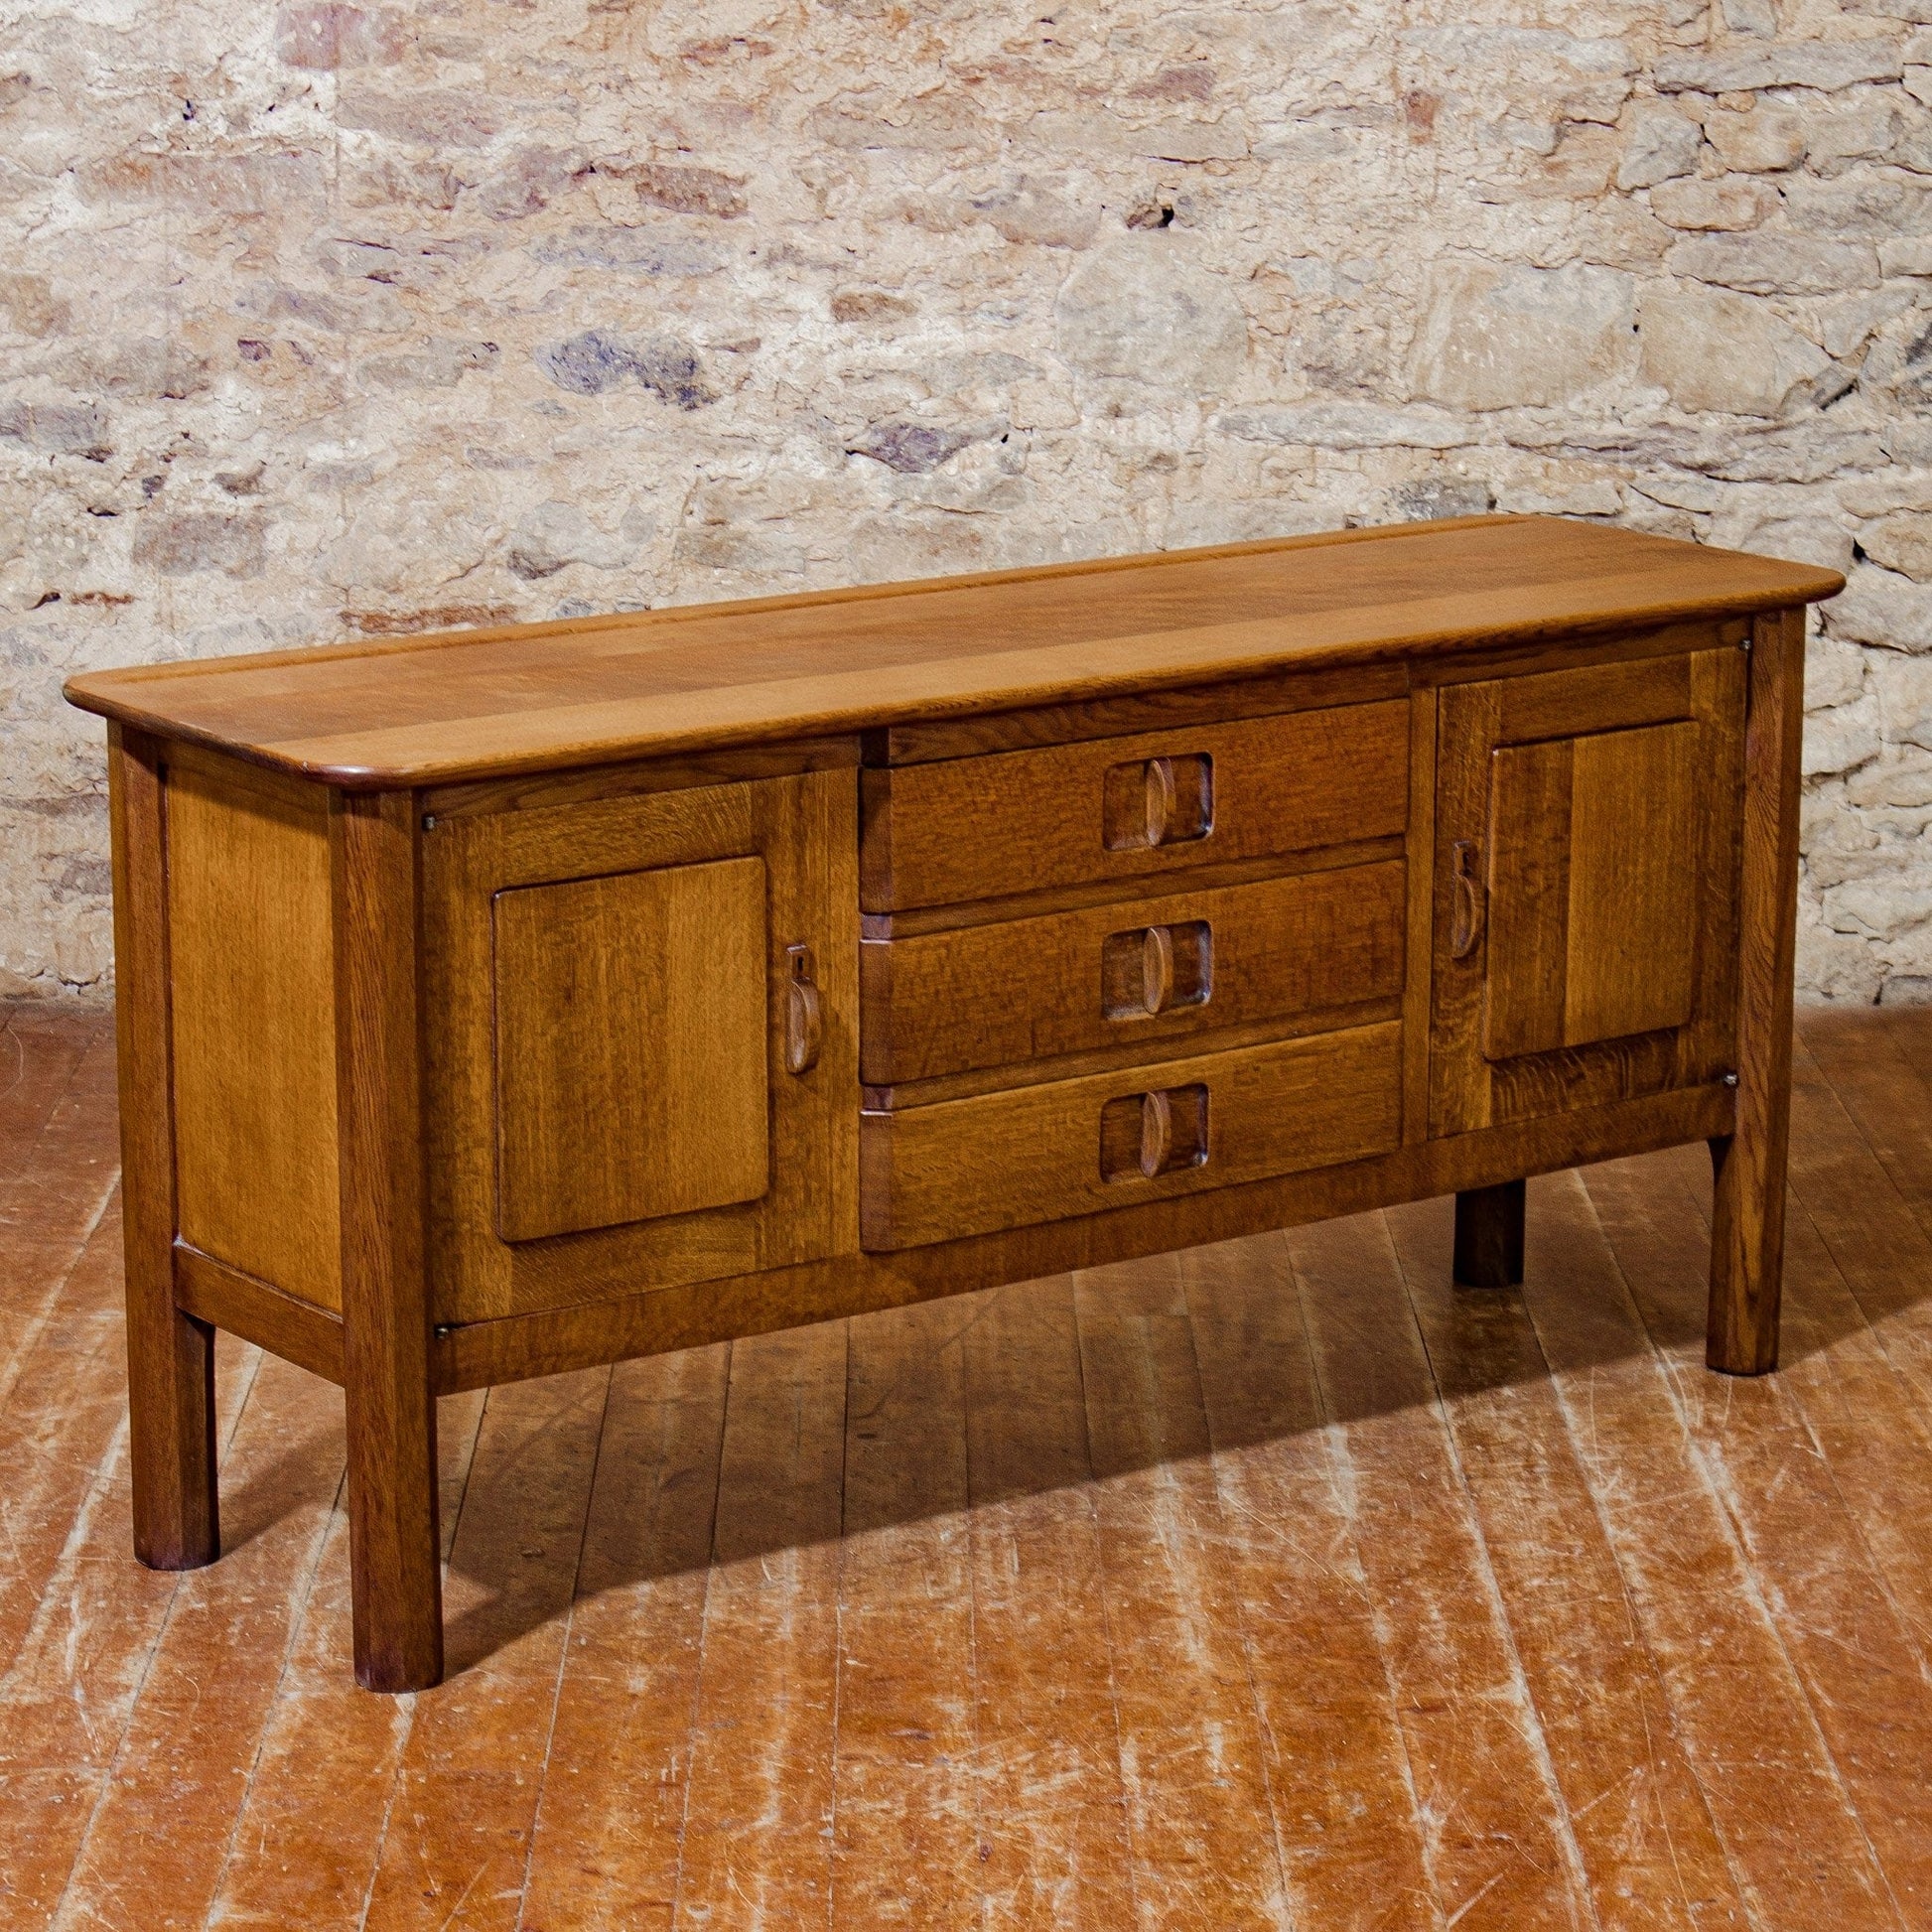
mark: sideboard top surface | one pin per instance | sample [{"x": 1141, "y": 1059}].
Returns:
[{"x": 541, "y": 697}]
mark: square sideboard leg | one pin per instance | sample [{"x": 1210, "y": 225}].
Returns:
[
  {"x": 1748, "y": 1166},
  {"x": 394, "y": 1552},
  {"x": 169, "y": 1355},
  {"x": 1489, "y": 1236}
]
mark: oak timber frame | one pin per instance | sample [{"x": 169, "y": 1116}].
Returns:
[{"x": 394, "y": 1347}]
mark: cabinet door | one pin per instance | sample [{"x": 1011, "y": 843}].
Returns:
[
  {"x": 1586, "y": 855},
  {"x": 643, "y": 1056}
]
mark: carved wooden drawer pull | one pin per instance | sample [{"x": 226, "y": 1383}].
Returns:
[
  {"x": 1155, "y": 969},
  {"x": 1157, "y": 1133},
  {"x": 1146, "y": 1135},
  {"x": 1466, "y": 921},
  {"x": 804, "y": 1013},
  {"x": 1158, "y": 801}
]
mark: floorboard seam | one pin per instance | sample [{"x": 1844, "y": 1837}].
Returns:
[
  {"x": 297, "y": 1619},
  {"x": 563, "y": 1653},
  {"x": 704, "y": 1625},
  {"x": 1538, "y": 1741},
  {"x": 1748, "y": 1570},
  {"x": 1339, "y": 1462},
  {"x": 1072, "y": 1280},
  {"x": 1262, "y": 1732}
]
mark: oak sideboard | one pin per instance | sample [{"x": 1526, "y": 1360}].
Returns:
[{"x": 510, "y": 1001}]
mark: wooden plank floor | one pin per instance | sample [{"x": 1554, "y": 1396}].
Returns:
[{"x": 1271, "y": 1584}]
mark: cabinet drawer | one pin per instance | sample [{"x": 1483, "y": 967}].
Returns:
[
  {"x": 1079, "y": 1147},
  {"x": 1125, "y": 807},
  {"x": 1135, "y": 972}
]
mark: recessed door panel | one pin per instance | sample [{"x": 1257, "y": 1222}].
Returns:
[
  {"x": 1592, "y": 880},
  {"x": 1632, "y": 960},
  {"x": 630, "y": 1047}
]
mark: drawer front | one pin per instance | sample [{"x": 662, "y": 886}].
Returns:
[
  {"x": 1126, "y": 807},
  {"x": 1137, "y": 972},
  {"x": 1079, "y": 1146}
]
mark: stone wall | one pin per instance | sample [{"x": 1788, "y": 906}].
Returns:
[{"x": 364, "y": 318}]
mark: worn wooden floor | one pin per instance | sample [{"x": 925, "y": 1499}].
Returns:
[{"x": 1273, "y": 1584}]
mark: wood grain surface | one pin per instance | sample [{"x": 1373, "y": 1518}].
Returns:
[
  {"x": 602, "y": 690},
  {"x": 987, "y": 995},
  {"x": 391, "y": 1414},
  {"x": 1747, "y": 1225},
  {"x": 170, "y": 1354},
  {"x": 253, "y": 1016},
  {"x": 630, "y": 1047},
  {"x": 983, "y": 828},
  {"x": 1040, "y": 1154},
  {"x": 1273, "y": 1582},
  {"x": 1519, "y": 1012},
  {"x": 799, "y": 834}
]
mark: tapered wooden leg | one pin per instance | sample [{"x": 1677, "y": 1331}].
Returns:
[
  {"x": 169, "y": 1355},
  {"x": 1748, "y": 1213},
  {"x": 394, "y": 1558},
  {"x": 1489, "y": 1236}
]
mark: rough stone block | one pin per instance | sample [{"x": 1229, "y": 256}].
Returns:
[
  {"x": 1742, "y": 69},
  {"x": 1901, "y": 543},
  {"x": 1144, "y": 312},
  {"x": 1842, "y": 738},
  {"x": 1495, "y": 337},
  {"x": 1714, "y": 349},
  {"x": 1883, "y": 607},
  {"x": 1763, "y": 139},
  {"x": 1769, "y": 262},
  {"x": 1347, "y": 426},
  {"x": 1660, "y": 142},
  {"x": 1731, "y": 201}
]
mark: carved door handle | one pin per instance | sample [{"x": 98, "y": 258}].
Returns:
[
  {"x": 1465, "y": 916},
  {"x": 804, "y": 1013}
]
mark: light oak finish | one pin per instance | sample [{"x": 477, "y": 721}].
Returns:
[
  {"x": 254, "y": 1021},
  {"x": 1132, "y": 975},
  {"x": 1264, "y": 695},
  {"x": 803, "y": 1126},
  {"x": 391, "y": 1411},
  {"x": 1042, "y": 1154},
  {"x": 514, "y": 1003},
  {"x": 259, "y": 1311},
  {"x": 485, "y": 704},
  {"x": 1748, "y": 1208},
  {"x": 1592, "y": 889},
  {"x": 630, "y": 1047},
  {"x": 169, "y": 1351},
  {"x": 1125, "y": 808},
  {"x": 1152, "y": 1221},
  {"x": 1578, "y": 959}
]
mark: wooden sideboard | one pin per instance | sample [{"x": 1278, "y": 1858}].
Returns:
[{"x": 507, "y": 1002}]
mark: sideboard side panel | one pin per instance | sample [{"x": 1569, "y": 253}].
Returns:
[{"x": 254, "y": 1022}]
